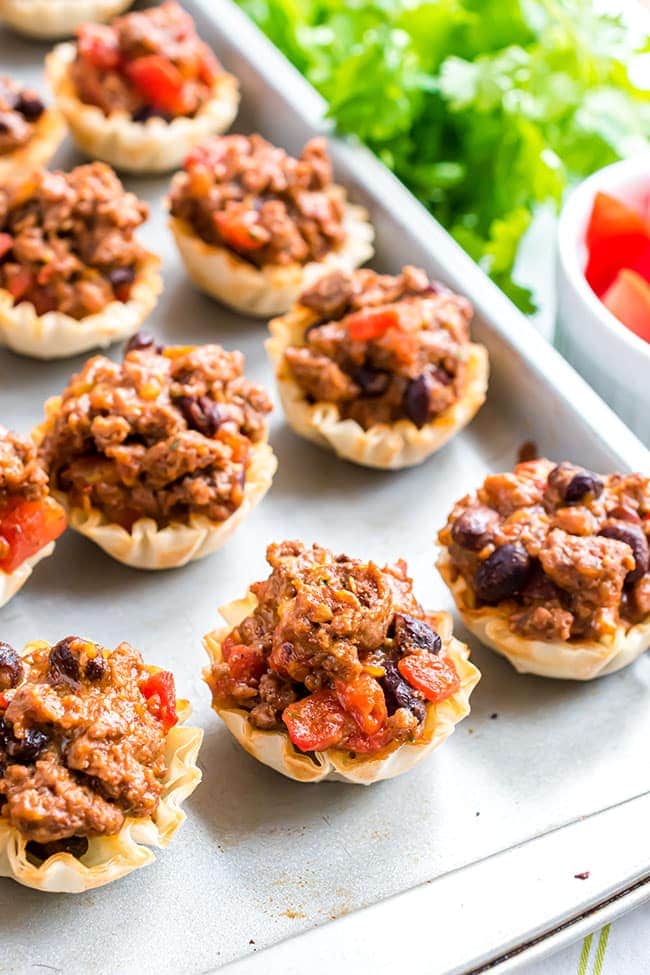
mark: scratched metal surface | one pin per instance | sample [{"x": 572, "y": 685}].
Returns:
[{"x": 262, "y": 858}]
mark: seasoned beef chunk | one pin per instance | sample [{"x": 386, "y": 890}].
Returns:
[
  {"x": 323, "y": 653},
  {"x": 581, "y": 542},
  {"x": 80, "y": 749},
  {"x": 63, "y": 236},
  {"x": 382, "y": 348},
  {"x": 165, "y": 434},
  {"x": 246, "y": 194}
]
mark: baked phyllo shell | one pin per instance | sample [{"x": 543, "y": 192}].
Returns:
[
  {"x": 55, "y": 335},
  {"x": 275, "y": 749},
  {"x": 147, "y": 546},
  {"x": 271, "y": 289},
  {"x": 110, "y": 857},
  {"x": 48, "y": 134},
  {"x": 386, "y": 446},
  {"x": 154, "y": 146},
  {"x": 579, "y": 659},
  {"x": 53, "y": 19},
  {"x": 11, "y": 582}
]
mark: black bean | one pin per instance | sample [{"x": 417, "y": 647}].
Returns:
[
  {"x": 581, "y": 484},
  {"x": 417, "y": 399},
  {"x": 145, "y": 112},
  {"x": 77, "y": 846},
  {"x": 634, "y": 536},
  {"x": 142, "y": 340},
  {"x": 95, "y": 668},
  {"x": 64, "y": 665},
  {"x": 399, "y": 694},
  {"x": 475, "y": 528},
  {"x": 413, "y": 634},
  {"x": 503, "y": 574},
  {"x": 30, "y": 106},
  {"x": 121, "y": 275},
  {"x": 22, "y": 751},
  {"x": 11, "y": 668},
  {"x": 201, "y": 414},
  {"x": 373, "y": 382}
]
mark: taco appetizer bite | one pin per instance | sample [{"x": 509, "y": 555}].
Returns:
[
  {"x": 30, "y": 133},
  {"x": 159, "y": 458},
  {"x": 549, "y": 566},
  {"x": 53, "y": 19},
  {"x": 73, "y": 275},
  {"x": 94, "y": 763},
  {"x": 330, "y": 668},
  {"x": 254, "y": 224},
  {"x": 378, "y": 368},
  {"x": 30, "y": 520},
  {"x": 142, "y": 91}
]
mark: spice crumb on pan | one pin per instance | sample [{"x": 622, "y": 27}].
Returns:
[
  {"x": 494, "y": 716},
  {"x": 585, "y": 875},
  {"x": 528, "y": 450}
]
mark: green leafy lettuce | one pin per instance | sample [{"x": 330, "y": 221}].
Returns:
[{"x": 484, "y": 108}]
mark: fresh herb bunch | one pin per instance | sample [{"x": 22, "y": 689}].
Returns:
[{"x": 484, "y": 108}]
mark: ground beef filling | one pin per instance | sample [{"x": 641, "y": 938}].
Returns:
[
  {"x": 67, "y": 240},
  {"x": 21, "y": 473},
  {"x": 149, "y": 63},
  {"x": 165, "y": 434},
  {"x": 564, "y": 550},
  {"x": 383, "y": 348},
  {"x": 80, "y": 749},
  {"x": 20, "y": 109},
  {"x": 337, "y": 652},
  {"x": 243, "y": 193}
]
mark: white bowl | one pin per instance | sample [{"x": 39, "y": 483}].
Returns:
[{"x": 614, "y": 360}]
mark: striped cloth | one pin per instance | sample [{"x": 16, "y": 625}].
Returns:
[{"x": 622, "y": 948}]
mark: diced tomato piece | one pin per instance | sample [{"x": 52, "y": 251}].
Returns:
[
  {"x": 159, "y": 81},
  {"x": 367, "y": 744},
  {"x": 3, "y": 702},
  {"x": 237, "y": 229},
  {"x": 364, "y": 699},
  {"x": 6, "y": 243},
  {"x": 616, "y": 238},
  {"x": 28, "y": 526},
  {"x": 365, "y": 325},
  {"x": 160, "y": 692},
  {"x": 246, "y": 664},
  {"x": 641, "y": 264},
  {"x": 98, "y": 44},
  {"x": 629, "y": 299},
  {"x": 431, "y": 674},
  {"x": 19, "y": 280},
  {"x": 316, "y": 722}
]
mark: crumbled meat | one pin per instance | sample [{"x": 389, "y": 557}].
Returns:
[
  {"x": 100, "y": 755},
  {"x": 382, "y": 348},
  {"x": 20, "y": 109},
  {"x": 125, "y": 439},
  {"x": 329, "y": 631},
  {"x": 243, "y": 193},
  {"x": 21, "y": 474},
  {"x": 586, "y": 539},
  {"x": 146, "y": 63},
  {"x": 63, "y": 236}
]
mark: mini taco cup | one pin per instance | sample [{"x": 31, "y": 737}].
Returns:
[
  {"x": 154, "y": 146},
  {"x": 574, "y": 660},
  {"x": 48, "y": 134},
  {"x": 147, "y": 546},
  {"x": 53, "y": 19},
  {"x": 385, "y": 446},
  {"x": 268, "y": 290},
  {"x": 275, "y": 749},
  {"x": 11, "y": 582},
  {"x": 110, "y": 857},
  {"x": 56, "y": 335}
]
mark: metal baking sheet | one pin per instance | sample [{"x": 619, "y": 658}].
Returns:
[{"x": 554, "y": 785}]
